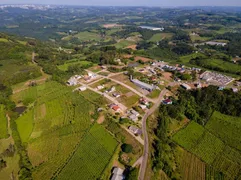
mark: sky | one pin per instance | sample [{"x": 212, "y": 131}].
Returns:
[{"x": 130, "y": 2}]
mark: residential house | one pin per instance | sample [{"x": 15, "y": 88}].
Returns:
[
  {"x": 167, "y": 101},
  {"x": 82, "y": 88},
  {"x": 115, "y": 108},
  {"x": 117, "y": 174},
  {"x": 135, "y": 130},
  {"x": 133, "y": 117},
  {"x": 144, "y": 101},
  {"x": 135, "y": 113},
  {"x": 143, "y": 107},
  {"x": 116, "y": 95},
  {"x": 186, "y": 86}
]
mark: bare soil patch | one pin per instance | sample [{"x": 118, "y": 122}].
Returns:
[
  {"x": 167, "y": 75},
  {"x": 111, "y": 25},
  {"x": 144, "y": 59},
  {"x": 101, "y": 119},
  {"x": 133, "y": 47}
]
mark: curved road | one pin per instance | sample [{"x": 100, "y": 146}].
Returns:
[{"x": 144, "y": 130}]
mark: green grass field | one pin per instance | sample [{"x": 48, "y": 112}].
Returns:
[
  {"x": 85, "y": 36},
  {"x": 12, "y": 71},
  {"x": 208, "y": 147},
  {"x": 25, "y": 125},
  {"x": 124, "y": 44},
  {"x": 57, "y": 127},
  {"x": 189, "y": 136},
  {"x": 198, "y": 38},
  {"x": 65, "y": 66},
  {"x": 3, "y": 123},
  {"x": 154, "y": 94},
  {"x": 226, "y": 128},
  {"x": 215, "y": 145},
  {"x": 3, "y": 40},
  {"x": 159, "y": 36},
  {"x": 91, "y": 157}
]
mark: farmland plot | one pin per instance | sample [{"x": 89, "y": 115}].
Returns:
[{"x": 91, "y": 157}]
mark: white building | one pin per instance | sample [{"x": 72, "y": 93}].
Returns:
[{"x": 117, "y": 174}]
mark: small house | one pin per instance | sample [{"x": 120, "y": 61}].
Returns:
[
  {"x": 116, "y": 95},
  {"x": 135, "y": 130},
  {"x": 117, "y": 174},
  {"x": 82, "y": 88},
  {"x": 167, "y": 101},
  {"x": 133, "y": 117},
  {"x": 135, "y": 113}
]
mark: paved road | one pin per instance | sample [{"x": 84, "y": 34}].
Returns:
[
  {"x": 139, "y": 161},
  {"x": 144, "y": 130}
]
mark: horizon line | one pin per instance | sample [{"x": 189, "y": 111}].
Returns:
[{"x": 181, "y": 6}]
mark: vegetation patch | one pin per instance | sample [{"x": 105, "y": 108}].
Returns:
[
  {"x": 3, "y": 123},
  {"x": 91, "y": 157},
  {"x": 25, "y": 125}
]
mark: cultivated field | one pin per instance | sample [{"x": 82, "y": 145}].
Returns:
[
  {"x": 213, "y": 144},
  {"x": 91, "y": 157},
  {"x": 56, "y": 125},
  {"x": 227, "y": 128},
  {"x": 191, "y": 167}
]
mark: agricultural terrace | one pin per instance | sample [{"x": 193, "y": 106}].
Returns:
[
  {"x": 55, "y": 125},
  {"x": 3, "y": 123},
  {"x": 213, "y": 147},
  {"x": 91, "y": 157}
]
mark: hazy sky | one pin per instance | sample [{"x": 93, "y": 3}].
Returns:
[{"x": 131, "y": 2}]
